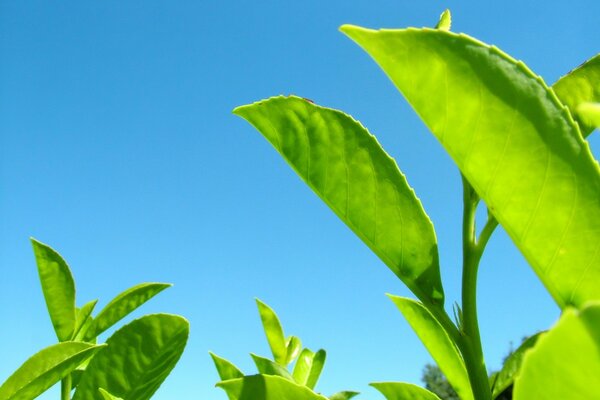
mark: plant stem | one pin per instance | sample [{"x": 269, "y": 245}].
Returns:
[
  {"x": 65, "y": 388},
  {"x": 470, "y": 340}
]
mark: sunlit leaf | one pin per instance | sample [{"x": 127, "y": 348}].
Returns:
[
  {"x": 122, "y": 305},
  {"x": 345, "y": 395},
  {"x": 108, "y": 396},
  {"x": 581, "y": 85},
  {"x": 267, "y": 387},
  {"x": 347, "y": 168},
  {"x": 512, "y": 139},
  {"x": 139, "y": 357},
  {"x": 308, "y": 367},
  {"x": 44, "y": 369},
  {"x": 438, "y": 343},
  {"x": 293, "y": 346},
  {"x": 273, "y": 331},
  {"x": 82, "y": 316},
  {"x": 506, "y": 376},
  {"x": 565, "y": 362},
  {"x": 403, "y": 391},
  {"x": 225, "y": 368},
  {"x": 58, "y": 287},
  {"x": 268, "y": 367}
]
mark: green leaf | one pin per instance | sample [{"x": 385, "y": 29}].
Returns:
[
  {"x": 438, "y": 343},
  {"x": 347, "y": 168},
  {"x": 108, "y": 396},
  {"x": 345, "y": 395},
  {"x": 82, "y": 317},
  {"x": 225, "y": 368},
  {"x": 308, "y": 367},
  {"x": 445, "y": 22},
  {"x": 589, "y": 113},
  {"x": 122, "y": 305},
  {"x": 44, "y": 369},
  {"x": 267, "y": 387},
  {"x": 581, "y": 85},
  {"x": 565, "y": 362},
  {"x": 139, "y": 357},
  {"x": 293, "y": 345},
  {"x": 273, "y": 331},
  {"x": 512, "y": 366},
  {"x": 512, "y": 139},
  {"x": 403, "y": 391},
  {"x": 268, "y": 367},
  {"x": 58, "y": 287}
]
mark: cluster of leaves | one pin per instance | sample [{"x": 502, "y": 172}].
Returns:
[
  {"x": 520, "y": 147},
  {"x": 133, "y": 362},
  {"x": 274, "y": 380}
]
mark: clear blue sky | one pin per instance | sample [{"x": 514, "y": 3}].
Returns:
[{"x": 118, "y": 148}]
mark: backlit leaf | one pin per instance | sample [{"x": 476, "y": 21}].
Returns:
[
  {"x": 445, "y": 22},
  {"x": 44, "y": 369},
  {"x": 139, "y": 357},
  {"x": 267, "y": 387},
  {"x": 268, "y": 367},
  {"x": 347, "y": 168},
  {"x": 273, "y": 331},
  {"x": 403, "y": 391},
  {"x": 82, "y": 316},
  {"x": 293, "y": 347},
  {"x": 345, "y": 395},
  {"x": 308, "y": 367},
  {"x": 225, "y": 368},
  {"x": 108, "y": 396},
  {"x": 512, "y": 139},
  {"x": 58, "y": 287}
]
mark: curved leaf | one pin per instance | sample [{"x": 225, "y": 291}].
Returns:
[
  {"x": 58, "y": 287},
  {"x": 268, "y": 367},
  {"x": 273, "y": 331},
  {"x": 139, "y": 357},
  {"x": 83, "y": 317},
  {"x": 225, "y": 368},
  {"x": 267, "y": 387},
  {"x": 122, "y": 305},
  {"x": 438, "y": 343},
  {"x": 512, "y": 366},
  {"x": 308, "y": 367},
  {"x": 44, "y": 369},
  {"x": 108, "y": 396},
  {"x": 345, "y": 395},
  {"x": 512, "y": 139},
  {"x": 293, "y": 346},
  {"x": 403, "y": 391},
  {"x": 347, "y": 168},
  {"x": 565, "y": 362},
  {"x": 581, "y": 85},
  {"x": 445, "y": 22}
]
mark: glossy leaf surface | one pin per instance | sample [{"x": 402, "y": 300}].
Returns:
[
  {"x": 403, "y": 391},
  {"x": 512, "y": 139},
  {"x": 58, "y": 287},
  {"x": 345, "y": 395},
  {"x": 565, "y": 362},
  {"x": 589, "y": 113},
  {"x": 347, "y": 168},
  {"x": 273, "y": 331},
  {"x": 122, "y": 305},
  {"x": 308, "y": 367},
  {"x": 437, "y": 342},
  {"x": 44, "y": 369},
  {"x": 139, "y": 357},
  {"x": 581, "y": 85},
  {"x": 225, "y": 368},
  {"x": 267, "y": 387},
  {"x": 512, "y": 366},
  {"x": 268, "y": 367},
  {"x": 293, "y": 347}
]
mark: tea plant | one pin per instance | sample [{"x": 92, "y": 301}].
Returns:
[
  {"x": 274, "y": 380},
  {"x": 520, "y": 147},
  {"x": 132, "y": 363}
]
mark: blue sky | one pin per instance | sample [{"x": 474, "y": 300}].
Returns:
[{"x": 119, "y": 149}]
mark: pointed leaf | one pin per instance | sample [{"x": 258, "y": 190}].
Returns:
[
  {"x": 225, "y": 368},
  {"x": 308, "y": 367},
  {"x": 58, "y": 287},
  {"x": 512, "y": 139},
  {"x": 293, "y": 347},
  {"x": 82, "y": 316},
  {"x": 512, "y": 366},
  {"x": 318, "y": 362},
  {"x": 273, "y": 331},
  {"x": 108, "y": 396},
  {"x": 589, "y": 113},
  {"x": 122, "y": 305},
  {"x": 581, "y": 85},
  {"x": 139, "y": 357},
  {"x": 44, "y": 369},
  {"x": 267, "y": 387},
  {"x": 347, "y": 168},
  {"x": 268, "y": 367},
  {"x": 403, "y": 391},
  {"x": 565, "y": 362},
  {"x": 438, "y": 343},
  {"x": 345, "y": 395},
  {"x": 445, "y": 22}
]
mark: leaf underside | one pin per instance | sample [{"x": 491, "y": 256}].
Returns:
[
  {"x": 512, "y": 139},
  {"x": 347, "y": 168}
]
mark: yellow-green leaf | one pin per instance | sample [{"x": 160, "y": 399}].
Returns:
[
  {"x": 403, "y": 391},
  {"x": 267, "y": 387}
]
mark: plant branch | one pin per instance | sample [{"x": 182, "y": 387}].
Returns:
[{"x": 65, "y": 388}]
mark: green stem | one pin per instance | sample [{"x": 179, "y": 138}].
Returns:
[
  {"x": 470, "y": 340},
  {"x": 65, "y": 388}
]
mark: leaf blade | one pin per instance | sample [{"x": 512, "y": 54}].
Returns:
[
  {"x": 225, "y": 368},
  {"x": 266, "y": 387},
  {"x": 506, "y": 376},
  {"x": 273, "y": 332},
  {"x": 268, "y": 367},
  {"x": 402, "y": 391}
]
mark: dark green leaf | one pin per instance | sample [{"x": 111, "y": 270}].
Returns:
[
  {"x": 308, "y": 367},
  {"x": 506, "y": 376},
  {"x": 83, "y": 316},
  {"x": 293, "y": 346}
]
